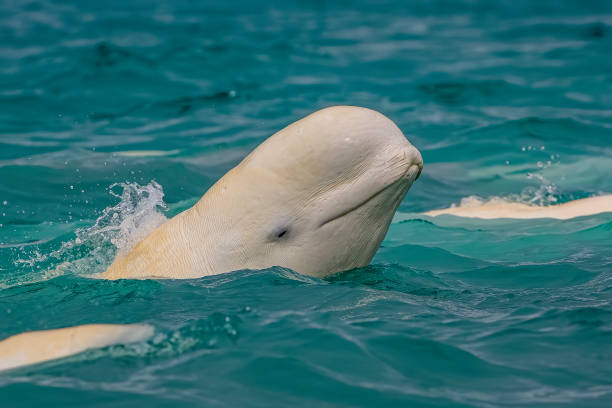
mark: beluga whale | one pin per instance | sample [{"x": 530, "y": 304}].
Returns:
[{"x": 316, "y": 197}]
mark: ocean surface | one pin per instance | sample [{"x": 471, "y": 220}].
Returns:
[{"x": 116, "y": 113}]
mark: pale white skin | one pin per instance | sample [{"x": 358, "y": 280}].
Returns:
[
  {"x": 331, "y": 182},
  {"x": 502, "y": 209},
  {"x": 36, "y": 347},
  {"x": 317, "y": 197}
]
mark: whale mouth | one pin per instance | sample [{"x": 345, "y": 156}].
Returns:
[
  {"x": 355, "y": 207},
  {"x": 420, "y": 170},
  {"x": 412, "y": 172}
]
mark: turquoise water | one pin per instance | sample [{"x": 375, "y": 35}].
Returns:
[{"x": 508, "y": 99}]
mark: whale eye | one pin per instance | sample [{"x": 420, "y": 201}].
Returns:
[{"x": 281, "y": 232}]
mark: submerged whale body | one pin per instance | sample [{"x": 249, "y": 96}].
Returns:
[
  {"x": 44, "y": 345},
  {"x": 499, "y": 208}
]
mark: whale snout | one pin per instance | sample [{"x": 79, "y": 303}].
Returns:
[
  {"x": 412, "y": 162},
  {"x": 419, "y": 163}
]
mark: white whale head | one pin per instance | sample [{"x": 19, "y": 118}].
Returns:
[{"x": 316, "y": 197}]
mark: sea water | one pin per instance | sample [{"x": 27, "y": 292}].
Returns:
[{"x": 117, "y": 115}]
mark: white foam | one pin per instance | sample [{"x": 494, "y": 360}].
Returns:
[
  {"x": 116, "y": 231},
  {"x": 132, "y": 219},
  {"x": 545, "y": 194}
]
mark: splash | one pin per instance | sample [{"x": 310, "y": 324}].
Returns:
[
  {"x": 117, "y": 229},
  {"x": 547, "y": 193},
  {"x": 115, "y": 232},
  {"x": 130, "y": 220}
]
